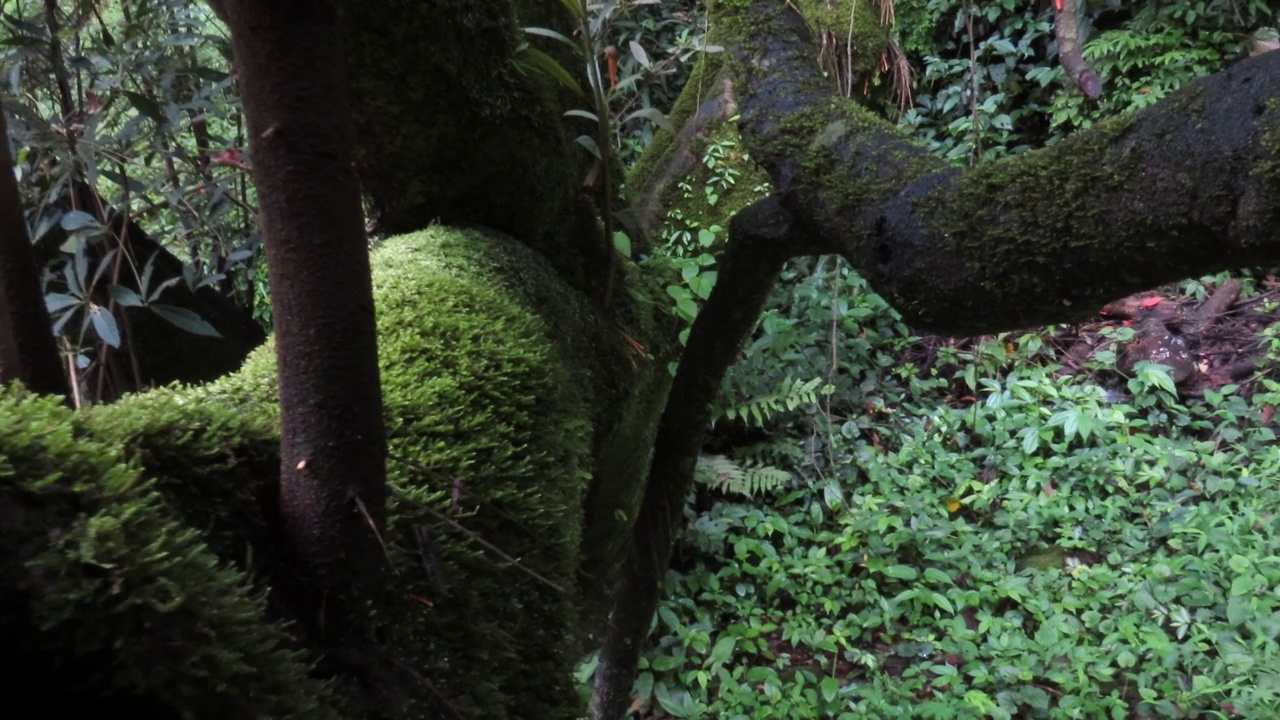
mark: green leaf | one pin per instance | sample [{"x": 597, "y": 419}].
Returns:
[
  {"x": 76, "y": 219},
  {"x": 938, "y": 576},
  {"x": 185, "y": 319},
  {"x": 124, "y": 296},
  {"x": 653, "y": 115},
  {"x": 830, "y": 688},
  {"x": 582, "y": 114},
  {"x": 53, "y": 302},
  {"x": 677, "y": 704},
  {"x": 146, "y": 106},
  {"x": 104, "y": 323},
  {"x": 644, "y": 686},
  {"x": 902, "y": 572},
  {"x": 589, "y": 143},
  {"x": 532, "y": 57},
  {"x": 1243, "y": 585},
  {"x": 640, "y": 55},
  {"x": 663, "y": 663},
  {"x": 723, "y": 650},
  {"x": 622, "y": 244},
  {"x": 549, "y": 33}
]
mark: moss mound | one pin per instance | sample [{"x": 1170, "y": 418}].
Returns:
[{"x": 138, "y": 537}]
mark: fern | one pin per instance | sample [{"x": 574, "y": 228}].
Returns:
[
  {"x": 789, "y": 396},
  {"x": 726, "y": 475}
]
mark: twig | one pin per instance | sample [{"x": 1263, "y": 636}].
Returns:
[{"x": 469, "y": 533}]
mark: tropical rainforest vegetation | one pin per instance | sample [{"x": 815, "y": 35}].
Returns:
[{"x": 644, "y": 358}]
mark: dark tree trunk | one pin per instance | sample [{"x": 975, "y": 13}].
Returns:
[
  {"x": 761, "y": 238},
  {"x": 333, "y": 482},
  {"x": 27, "y": 349}
]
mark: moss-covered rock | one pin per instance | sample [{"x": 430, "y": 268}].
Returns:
[
  {"x": 110, "y": 600},
  {"x": 139, "y": 537}
]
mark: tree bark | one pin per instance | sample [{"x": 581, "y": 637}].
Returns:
[
  {"x": 1066, "y": 29},
  {"x": 27, "y": 349},
  {"x": 483, "y": 142},
  {"x": 333, "y": 481}
]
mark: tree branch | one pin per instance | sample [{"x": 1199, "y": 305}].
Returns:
[
  {"x": 762, "y": 238},
  {"x": 1070, "y": 54},
  {"x": 1185, "y": 187}
]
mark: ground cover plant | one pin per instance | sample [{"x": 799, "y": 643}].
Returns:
[{"x": 972, "y": 532}]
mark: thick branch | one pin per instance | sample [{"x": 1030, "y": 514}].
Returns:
[
  {"x": 1070, "y": 53},
  {"x": 1188, "y": 186}
]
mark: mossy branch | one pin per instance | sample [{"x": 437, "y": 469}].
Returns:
[{"x": 1188, "y": 186}]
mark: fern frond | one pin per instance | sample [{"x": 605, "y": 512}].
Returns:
[
  {"x": 789, "y": 396},
  {"x": 726, "y": 475}
]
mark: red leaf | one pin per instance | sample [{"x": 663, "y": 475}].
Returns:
[
  {"x": 1151, "y": 302},
  {"x": 232, "y": 158}
]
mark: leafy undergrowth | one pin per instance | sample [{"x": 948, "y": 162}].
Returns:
[{"x": 999, "y": 527}]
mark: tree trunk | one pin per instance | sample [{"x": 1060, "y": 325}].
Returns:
[
  {"x": 333, "y": 481},
  {"x": 27, "y": 349},
  {"x": 762, "y": 238},
  {"x": 462, "y": 129}
]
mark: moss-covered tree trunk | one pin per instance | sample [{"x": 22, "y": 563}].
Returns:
[
  {"x": 27, "y": 349},
  {"x": 332, "y": 443},
  {"x": 1188, "y": 186},
  {"x": 456, "y": 127}
]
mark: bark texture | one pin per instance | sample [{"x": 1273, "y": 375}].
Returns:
[
  {"x": 27, "y": 349},
  {"x": 1066, "y": 29},
  {"x": 457, "y": 126},
  {"x": 332, "y": 444}
]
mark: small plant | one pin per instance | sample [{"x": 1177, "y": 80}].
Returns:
[{"x": 721, "y": 473}]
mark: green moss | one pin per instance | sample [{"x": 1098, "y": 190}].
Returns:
[
  {"x": 1268, "y": 168},
  {"x": 1064, "y": 196},
  {"x": 506, "y": 396},
  {"x": 700, "y": 83},
  {"x": 868, "y": 37},
  {"x": 474, "y": 139},
  {"x": 101, "y": 577}
]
